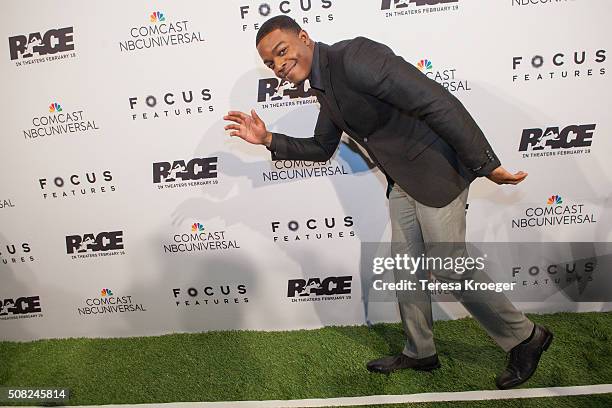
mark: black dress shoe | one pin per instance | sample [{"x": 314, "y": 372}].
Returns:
[
  {"x": 387, "y": 365},
  {"x": 524, "y": 358}
]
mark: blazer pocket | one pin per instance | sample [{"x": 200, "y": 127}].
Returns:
[{"x": 417, "y": 145}]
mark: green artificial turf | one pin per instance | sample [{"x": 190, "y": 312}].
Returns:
[
  {"x": 581, "y": 401},
  {"x": 324, "y": 363}
]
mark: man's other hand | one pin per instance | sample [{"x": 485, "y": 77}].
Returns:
[
  {"x": 248, "y": 127},
  {"x": 503, "y": 176}
]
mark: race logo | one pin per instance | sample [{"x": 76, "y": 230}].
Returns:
[
  {"x": 107, "y": 302},
  {"x": 36, "y": 48},
  {"x": 59, "y": 121},
  {"x": 304, "y": 12},
  {"x": 557, "y": 141},
  {"x": 95, "y": 245},
  {"x": 557, "y": 211},
  {"x": 211, "y": 295},
  {"x": 171, "y": 104},
  {"x": 317, "y": 289},
  {"x": 161, "y": 31},
  {"x": 282, "y": 170},
  {"x": 20, "y": 308},
  {"x": 181, "y": 173},
  {"x": 77, "y": 185},
  {"x": 558, "y": 66},
  {"x": 396, "y": 8},
  {"x": 200, "y": 239},
  {"x": 313, "y": 229},
  {"x": 277, "y": 93},
  {"x": 447, "y": 77},
  {"x": 12, "y": 254},
  {"x": 6, "y": 203}
]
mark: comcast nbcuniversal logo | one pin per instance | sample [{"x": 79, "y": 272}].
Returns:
[
  {"x": 200, "y": 239},
  {"x": 109, "y": 303},
  {"x": 160, "y": 32},
  {"x": 59, "y": 121},
  {"x": 555, "y": 212}
]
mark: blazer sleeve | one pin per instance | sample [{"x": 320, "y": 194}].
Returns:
[
  {"x": 320, "y": 147},
  {"x": 374, "y": 69}
]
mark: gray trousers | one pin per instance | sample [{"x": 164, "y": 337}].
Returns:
[{"x": 414, "y": 224}]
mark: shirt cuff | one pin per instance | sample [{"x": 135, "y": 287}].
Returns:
[{"x": 272, "y": 146}]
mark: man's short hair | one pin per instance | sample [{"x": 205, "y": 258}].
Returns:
[{"x": 277, "y": 23}]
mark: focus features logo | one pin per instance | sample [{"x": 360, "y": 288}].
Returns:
[
  {"x": 313, "y": 229},
  {"x": 16, "y": 254},
  {"x": 304, "y": 12},
  {"x": 77, "y": 185},
  {"x": 553, "y": 274},
  {"x": 211, "y": 295},
  {"x": 171, "y": 104},
  {"x": 559, "y": 66}
]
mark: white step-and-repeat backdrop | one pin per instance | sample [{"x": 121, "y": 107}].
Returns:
[{"x": 126, "y": 209}]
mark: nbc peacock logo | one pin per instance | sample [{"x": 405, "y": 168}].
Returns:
[
  {"x": 424, "y": 65},
  {"x": 554, "y": 200},
  {"x": 197, "y": 227},
  {"x": 106, "y": 292},
  {"x": 444, "y": 75},
  {"x": 157, "y": 16},
  {"x": 55, "y": 107}
]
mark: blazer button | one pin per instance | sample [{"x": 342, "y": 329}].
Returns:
[{"x": 365, "y": 139}]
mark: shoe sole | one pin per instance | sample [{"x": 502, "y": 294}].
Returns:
[{"x": 547, "y": 342}]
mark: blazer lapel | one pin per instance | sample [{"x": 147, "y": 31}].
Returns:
[{"x": 328, "y": 95}]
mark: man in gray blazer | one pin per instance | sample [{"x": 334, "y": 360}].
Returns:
[{"x": 430, "y": 150}]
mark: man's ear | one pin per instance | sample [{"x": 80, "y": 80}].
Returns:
[{"x": 303, "y": 35}]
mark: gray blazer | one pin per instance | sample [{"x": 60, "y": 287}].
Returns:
[{"x": 417, "y": 132}]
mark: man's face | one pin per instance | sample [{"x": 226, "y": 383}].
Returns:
[{"x": 288, "y": 54}]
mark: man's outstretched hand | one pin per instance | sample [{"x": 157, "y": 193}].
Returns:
[
  {"x": 250, "y": 128},
  {"x": 503, "y": 176}
]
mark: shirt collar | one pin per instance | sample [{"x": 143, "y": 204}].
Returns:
[{"x": 315, "y": 71}]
